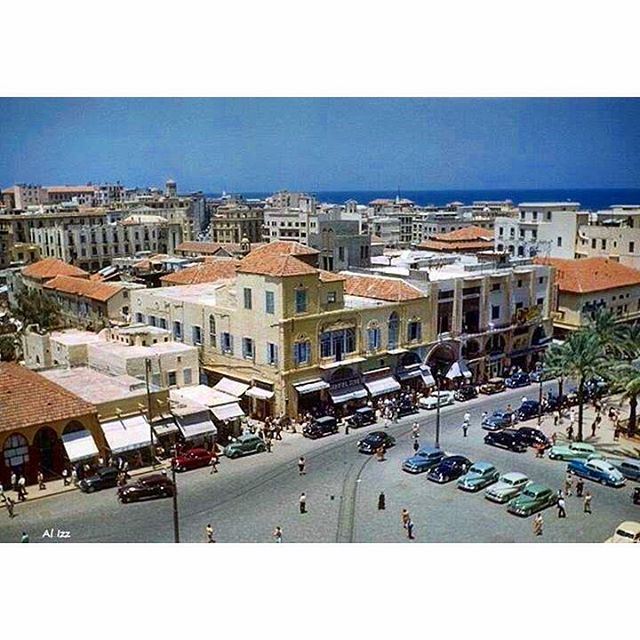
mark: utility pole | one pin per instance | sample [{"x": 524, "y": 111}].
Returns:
[
  {"x": 176, "y": 523},
  {"x": 436, "y": 375},
  {"x": 147, "y": 375}
]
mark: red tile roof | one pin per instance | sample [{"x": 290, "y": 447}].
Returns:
[
  {"x": 591, "y": 274},
  {"x": 210, "y": 271},
  {"x": 389, "y": 289},
  {"x": 328, "y": 276},
  {"x": 94, "y": 290},
  {"x": 281, "y": 266},
  {"x": 283, "y": 247},
  {"x": 29, "y": 399},
  {"x": 204, "y": 248},
  {"x": 466, "y": 233},
  {"x": 435, "y": 245},
  {"x": 52, "y": 267}
]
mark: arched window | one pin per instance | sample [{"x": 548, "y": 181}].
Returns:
[
  {"x": 16, "y": 451},
  {"x": 394, "y": 330},
  {"x": 212, "y": 331}
]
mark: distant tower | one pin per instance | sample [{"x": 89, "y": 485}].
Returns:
[
  {"x": 170, "y": 188},
  {"x": 245, "y": 245}
]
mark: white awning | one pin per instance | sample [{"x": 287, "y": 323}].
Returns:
[
  {"x": 427, "y": 376},
  {"x": 311, "y": 386},
  {"x": 232, "y": 387},
  {"x": 348, "y": 393},
  {"x": 458, "y": 370},
  {"x": 228, "y": 411},
  {"x": 126, "y": 434},
  {"x": 165, "y": 427},
  {"x": 378, "y": 387},
  {"x": 412, "y": 371},
  {"x": 260, "y": 393},
  {"x": 196, "y": 424},
  {"x": 79, "y": 445}
]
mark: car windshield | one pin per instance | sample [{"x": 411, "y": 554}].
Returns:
[
  {"x": 625, "y": 534},
  {"x": 509, "y": 481},
  {"x": 477, "y": 470},
  {"x": 530, "y": 493}
]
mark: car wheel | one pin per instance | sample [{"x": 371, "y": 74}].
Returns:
[
  {"x": 603, "y": 481},
  {"x": 260, "y": 448}
]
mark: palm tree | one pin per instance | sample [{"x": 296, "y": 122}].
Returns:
[
  {"x": 582, "y": 358},
  {"x": 629, "y": 344},
  {"x": 610, "y": 333},
  {"x": 625, "y": 377},
  {"x": 554, "y": 364}
]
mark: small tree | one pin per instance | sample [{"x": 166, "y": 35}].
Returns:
[
  {"x": 35, "y": 308},
  {"x": 626, "y": 378},
  {"x": 8, "y": 347}
]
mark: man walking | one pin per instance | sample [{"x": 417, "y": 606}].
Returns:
[
  {"x": 10, "y": 506},
  {"x": 209, "y": 533},
  {"x": 214, "y": 463},
  {"x": 41, "y": 484},
  {"x": 568, "y": 484},
  {"x": 303, "y": 502},
  {"x": 65, "y": 477},
  {"x": 22, "y": 489},
  {"x": 405, "y": 517},
  {"x": 381, "y": 502},
  {"x": 277, "y": 534},
  {"x": 14, "y": 481},
  {"x": 410, "y": 529},
  {"x": 579, "y": 487},
  {"x": 25, "y": 537},
  {"x": 587, "y": 502},
  {"x": 416, "y": 445},
  {"x": 538, "y": 525},
  {"x": 301, "y": 466},
  {"x": 415, "y": 430},
  {"x": 562, "y": 513},
  {"x": 465, "y": 429}
]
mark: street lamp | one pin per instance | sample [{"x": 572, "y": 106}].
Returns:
[
  {"x": 436, "y": 375},
  {"x": 176, "y": 522},
  {"x": 540, "y": 368}
]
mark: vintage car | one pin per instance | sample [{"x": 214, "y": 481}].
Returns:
[
  {"x": 528, "y": 409},
  {"x": 597, "y": 470},
  {"x": 192, "y": 459},
  {"x": 573, "y": 450},
  {"x": 450, "y": 468},
  {"x": 245, "y": 445},
  {"x": 506, "y": 439},
  {"x": 626, "y": 532},
  {"x": 517, "y": 380},
  {"x": 479, "y": 476},
  {"x": 534, "y": 437},
  {"x": 508, "y": 486},
  {"x": 629, "y": 467},
  {"x": 156, "y": 485},
  {"x": 374, "y": 440},
  {"x": 424, "y": 459},
  {"x": 406, "y": 407},
  {"x": 362, "y": 417},
  {"x": 466, "y": 392},
  {"x": 103, "y": 478},
  {"x": 540, "y": 375},
  {"x": 497, "y": 420},
  {"x": 534, "y": 497},
  {"x": 319, "y": 427},
  {"x": 493, "y": 385},
  {"x": 443, "y": 398}
]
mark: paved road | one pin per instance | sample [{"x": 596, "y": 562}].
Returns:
[{"x": 249, "y": 496}]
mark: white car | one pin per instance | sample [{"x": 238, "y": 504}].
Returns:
[
  {"x": 442, "y": 398},
  {"x": 509, "y": 485},
  {"x": 628, "y": 531}
]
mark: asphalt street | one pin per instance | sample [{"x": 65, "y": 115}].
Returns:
[{"x": 250, "y": 496}]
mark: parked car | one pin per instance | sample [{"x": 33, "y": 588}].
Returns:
[
  {"x": 597, "y": 470},
  {"x": 507, "y": 439},
  {"x": 528, "y": 409},
  {"x": 494, "y": 385},
  {"x": 595, "y": 388},
  {"x": 626, "y": 532},
  {"x": 532, "y": 498},
  {"x": 508, "y": 486},
  {"x": 152, "y": 486},
  {"x": 534, "y": 437},
  {"x": 362, "y": 417},
  {"x": 450, "y": 468},
  {"x": 319, "y": 427},
  {"x": 479, "y": 476},
  {"x": 192, "y": 459},
  {"x": 425, "y": 458},
  {"x": 520, "y": 379},
  {"x": 540, "y": 375},
  {"x": 443, "y": 398},
  {"x": 497, "y": 420},
  {"x": 466, "y": 392},
  {"x": 635, "y": 498},
  {"x": 245, "y": 445},
  {"x": 406, "y": 407},
  {"x": 375, "y": 440},
  {"x": 554, "y": 402},
  {"x": 573, "y": 450},
  {"x": 629, "y": 468},
  {"x": 103, "y": 478}
]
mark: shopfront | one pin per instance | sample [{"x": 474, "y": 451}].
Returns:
[{"x": 347, "y": 392}]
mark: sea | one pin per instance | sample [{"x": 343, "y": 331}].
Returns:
[{"x": 591, "y": 199}]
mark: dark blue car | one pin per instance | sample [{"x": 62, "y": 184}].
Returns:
[
  {"x": 517, "y": 380},
  {"x": 451, "y": 468},
  {"x": 497, "y": 420},
  {"x": 528, "y": 409},
  {"x": 425, "y": 458}
]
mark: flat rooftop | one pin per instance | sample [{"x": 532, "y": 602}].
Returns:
[
  {"x": 208, "y": 293},
  {"x": 75, "y": 336}
]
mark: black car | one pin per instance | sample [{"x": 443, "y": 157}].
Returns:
[
  {"x": 507, "y": 439},
  {"x": 553, "y": 402},
  {"x": 374, "y": 440},
  {"x": 451, "y": 468},
  {"x": 362, "y": 417},
  {"x": 406, "y": 407},
  {"x": 636, "y": 495},
  {"x": 466, "y": 392},
  {"x": 517, "y": 380},
  {"x": 533, "y": 437},
  {"x": 497, "y": 420},
  {"x": 154, "y": 486},
  {"x": 528, "y": 409},
  {"x": 319, "y": 427},
  {"x": 104, "y": 478}
]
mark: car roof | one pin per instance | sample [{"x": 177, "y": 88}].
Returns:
[
  {"x": 631, "y": 461},
  {"x": 629, "y": 525},
  {"x": 154, "y": 477},
  {"x": 363, "y": 410},
  {"x": 514, "y": 475},
  {"x": 456, "y": 458},
  {"x": 581, "y": 445},
  {"x": 429, "y": 450},
  {"x": 483, "y": 465},
  {"x": 376, "y": 434},
  {"x": 536, "y": 487},
  {"x": 325, "y": 419}
]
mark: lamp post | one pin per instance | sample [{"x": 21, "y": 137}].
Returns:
[
  {"x": 176, "y": 522},
  {"x": 147, "y": 375},
  {"x": 436, "y": 375},
  {"x": 540, "y": 367}
]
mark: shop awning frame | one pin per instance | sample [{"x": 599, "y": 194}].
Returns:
[
  {"x": 79, "y": 445},
  {"x": 381, "y": 386},
  {"x": 354, "y": 392}
]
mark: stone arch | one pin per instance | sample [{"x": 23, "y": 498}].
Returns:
[
  {"x": 48, "y": 452},
  {"x": 409, "y": 358},
  {"x": 471, "y": 349},
  {"x": 73, "y": 426},
  {"x": 441, "y": 357},
  {"x": 15, "y": 456}
]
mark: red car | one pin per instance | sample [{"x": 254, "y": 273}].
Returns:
[{"x": 192, "y": 459}]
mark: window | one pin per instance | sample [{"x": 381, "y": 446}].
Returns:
[
  {"x": 495, "y": 286},
  {"x": 519, "y": 284},
  {"x": 272, "y": 353},
  {"x": 632, "y": 247},
  {"x": 212, "y": 331},
  {"x": 163, "y": 323},
  {"x": 301, "y": 300},
  {"x": 603, "y": 243},
  {"x": 269, "y": 302},
  {"x": 394, "y": 330},
  {"x": 540, "y": 301},
  {"x": 341, "y": 253},
  {"x": 196, "y": 334},
  {"x": 302, "y": 352},
  {"x": 338, "y": 342},
  {"x": 227, "y": 343},
  {"x": 247, "y": 298},
  {"x": 152, "y": 321},
  {"x": 247, "y": 348},
  {"x": 519, "y": 306},
  {"x": 139, "y": 317},
  {"x": 188, "y": 376},
  {"x": 373, "y": 338},
  {"x": 541, "y": 280},
  {"x": 593, "y": 243},
  {"x": 332, "y": 296},
  {"x": 548, "y": 216},
  {"x": 559, "y": 241},
  {"x": 414, "y": 330},
  {"x": 495, "y": 311},
  {"x": 172, "y": 378}
]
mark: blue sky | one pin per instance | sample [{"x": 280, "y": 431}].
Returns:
[{"x": 323, "y": 144}]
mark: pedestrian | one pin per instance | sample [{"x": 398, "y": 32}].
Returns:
[
  {"x": 208, "y": 530},
  {"x": 410, "y": 529},
  {"x": 416, "y": 445},
  {"x": 214, "y": 463},
  {"x": 301, "y": 466},
  {"x": 10, "y": 506},
  {"x": 466, "y": 418},
  {"x": 465, "y": 429},
  {"x": 593, "y": 429},
  {"x": 415, "y": 429},
  {"x": 587, "y": 502},
  {"x": 538, "y": 525},
  {"x": 65, "y": 477},
  {"x": 579, "y": 487},
  {"x": 562, "y": 512},
  {"x": 24, "y": 537},
  {"x": 405, "y": 517},
  {"x": 568, "y": 484},
  {"x": 278, "y": 431},
  {"x": 554, "y": 438},
  {"x": 74, "y": 476},
  {"x": 41, "y": 484},
  {"x": 570, "y": 432},
  {"x": 277, "y": 534},
  {"x": 381, "y": 502},
  {"x": 380, "y": 453},
  {"x": 269, "y": 443},
  {"x": 22, "y": 489},
  {"x": 539, "y": 451},
  {"x": 303, "y": 502}
]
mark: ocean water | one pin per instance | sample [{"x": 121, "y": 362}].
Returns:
[{"x": 592, "y": 199}]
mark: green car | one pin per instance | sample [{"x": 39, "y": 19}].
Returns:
[
  {"x": 572, "y": 451},
  {"x": 534, "y": 498},
  {"x": 244, "y": 446},
  {"x": 479, "y": 476}
]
